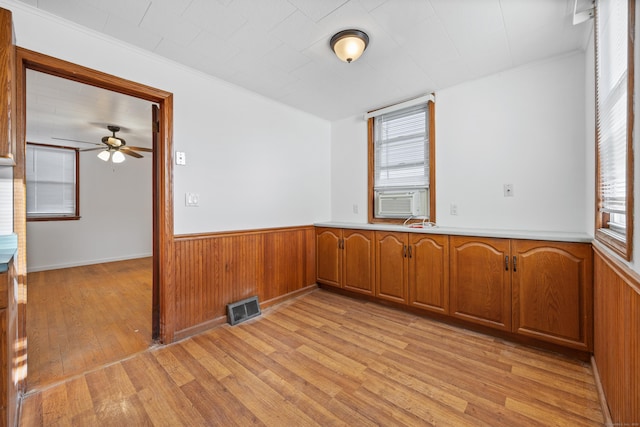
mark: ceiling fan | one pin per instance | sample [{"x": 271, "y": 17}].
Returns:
[{"x": 113, "y": 147}]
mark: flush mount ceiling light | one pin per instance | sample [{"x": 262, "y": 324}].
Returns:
[{"x": 348, "y": 45}]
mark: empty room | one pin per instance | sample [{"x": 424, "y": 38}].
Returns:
[{"x": 319, "y": 212}]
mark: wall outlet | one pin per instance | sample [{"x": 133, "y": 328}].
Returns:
[
  {"x": 181, "y": 158},
  {"x": 453, "y": 209},
  {"x": 192, "y": 200},
  {"x": 508, "y": 190},
  {"x": 355, "y": 209}
]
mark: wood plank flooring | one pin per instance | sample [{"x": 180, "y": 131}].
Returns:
[
  {"x": 81, "y": 318},
  {"x": 328, "y": 360}
]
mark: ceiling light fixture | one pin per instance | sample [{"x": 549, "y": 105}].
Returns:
[
  {"x": 348, "y": 45},
  {"x": 117, "y": 157},
  {"x": 104, "y": 155}
]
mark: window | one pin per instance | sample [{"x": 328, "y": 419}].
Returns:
[
  {"x": 401, "y": 161},
  {"x": 52, "y": 182},
  {"x": 614, "y": 124}
]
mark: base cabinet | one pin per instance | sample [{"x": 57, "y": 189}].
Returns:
[
  {"x": 345, "y": 259},
  {"x": 552, "y": 292},
  {"x": 392, "y": 266},
  {"x": 413, "y": 269},
  {"x": 429, "y": 272},
  {"x": 480, "y": 281},
  {"x": 329, "y": 256},
  {"x": 538, "y": 289}
]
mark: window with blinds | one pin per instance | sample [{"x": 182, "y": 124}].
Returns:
[
  {"x": 614, "y": 122},
  {"x": 401, "y": 163},
  {"x": 51, "y": 174}
]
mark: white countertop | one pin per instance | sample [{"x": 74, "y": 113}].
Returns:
[{"x": 556, "y": 236}]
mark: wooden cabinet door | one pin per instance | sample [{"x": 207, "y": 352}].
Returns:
[
  {"x": 552, "y": 292},
  {"x": 328, "y": 256},
  {"x": 357, "y": 261},
  {"x": 429, "y": 272},
  {"x": 480, "y": 288},
  {"x": 392, "y": 266}
]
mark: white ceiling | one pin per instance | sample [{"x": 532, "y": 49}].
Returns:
[
  {"x": 280, "y": 48},
  {"x": 59, "y": 108}
]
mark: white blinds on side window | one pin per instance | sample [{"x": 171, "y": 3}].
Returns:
[{"x": 51, "y": 181}]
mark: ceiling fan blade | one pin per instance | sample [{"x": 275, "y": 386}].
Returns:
[
  {"x": 74, "y": 140},
  {"x": 94, "y": 149},
  {"x": 129, "y": 147},
  {"x": 132, "y": 154}
]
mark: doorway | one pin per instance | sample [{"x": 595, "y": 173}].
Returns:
[{"x": 162, "y": 227}]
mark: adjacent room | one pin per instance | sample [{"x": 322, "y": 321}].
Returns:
[{"x": 331, "y": 212}]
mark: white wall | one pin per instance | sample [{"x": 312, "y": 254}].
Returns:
[
  {"x": 255, "y": 163},
  {"x": 116, "y": 218},
  {"x": 524, "y": 126}
]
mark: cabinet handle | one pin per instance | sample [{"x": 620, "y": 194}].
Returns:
[
  {"x": 404, "y": 251},
  {"x": 409, "y": 251},
  {"x": 514, "y": 264},
  {"x": 506, "y": 263},
  {"x": 341, "y": 244}
]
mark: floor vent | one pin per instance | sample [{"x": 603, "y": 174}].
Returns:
[{"x": 243, "y": 310}]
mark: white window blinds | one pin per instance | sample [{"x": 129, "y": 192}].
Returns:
[
  {"x": 401, "y": 143},
  {"x": 612, "y": 83},
  {"x": 51, "y": 181}
]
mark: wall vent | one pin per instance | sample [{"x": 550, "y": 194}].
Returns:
[{"x": 243, "y": 310}]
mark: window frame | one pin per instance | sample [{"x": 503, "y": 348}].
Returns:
[
  {"x": 432, "y": 170},
  {"x": 622, "y": 247},
  {"x": 61, "y": 217}
]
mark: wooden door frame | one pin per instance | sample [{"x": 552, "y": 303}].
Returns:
[{"x": 163, "y": 312}]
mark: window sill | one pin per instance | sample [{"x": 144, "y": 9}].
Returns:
[
  {"x": 615, "y": 242},
  {"x": 53, "y": 218}
]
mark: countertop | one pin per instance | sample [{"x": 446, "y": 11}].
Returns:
[
  {"x": 556, "y": 236},
  {"x": 8, "y": 249}
]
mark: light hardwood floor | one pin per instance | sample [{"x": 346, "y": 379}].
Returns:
[
  {"x": 324, "y": 359},
  {"x": 82, "y": 318}
]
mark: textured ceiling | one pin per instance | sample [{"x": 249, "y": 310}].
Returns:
[{"x": 280, "y": 48}]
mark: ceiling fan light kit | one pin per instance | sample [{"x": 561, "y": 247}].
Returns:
[
  {"x": 117, "y": 157},
  {"x": 348, "y": 45},
  {"x": 104, "y": 155},
  {"x": 113, "y": 147}
]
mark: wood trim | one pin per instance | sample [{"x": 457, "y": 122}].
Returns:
[
  {"x": 617, "y": 335},
  {"x": 624, "y": 248},
  {"x": 371, "y": 167},
  {"x": 432, "y": 170},
  {"x": 76, "y": 215},
  {"x": 195, "y": 236},
  {"x": 631, "y": 278},
  {"x": 601, "y": 396},
  {"x": 432, "y": 162},
  {"x": 163, "y": 188},
  {"x": 215, "y": 269},
  {"x": 7, "y": 82}
]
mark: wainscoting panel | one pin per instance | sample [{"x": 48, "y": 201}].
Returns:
[
  {"x": 617, "y": 336},
  {"x": 215, "y": 269}
]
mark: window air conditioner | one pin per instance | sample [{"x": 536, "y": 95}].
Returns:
[{"x": 401, "y": 204}]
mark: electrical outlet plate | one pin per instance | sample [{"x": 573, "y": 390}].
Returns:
[
  {"x": 191, "y": 200},
  {"x": 508, "y": 190},
  {"x": 181, "y": 158}
]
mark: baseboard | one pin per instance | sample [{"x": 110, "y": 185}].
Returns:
[
  {"x": 601, "y": 396},
  {"x": 85, "y": 262}
]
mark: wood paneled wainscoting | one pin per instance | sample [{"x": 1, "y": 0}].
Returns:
[
  {"x": 617, "y": 336},
  {"x": 213, "y": 270}
]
